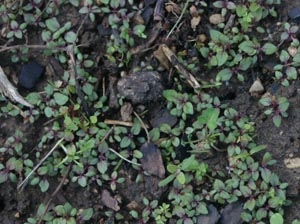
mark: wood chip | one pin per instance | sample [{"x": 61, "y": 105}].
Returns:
[
  {"x": 7, "y": 89},
  {"x": 180, "y": 68}
]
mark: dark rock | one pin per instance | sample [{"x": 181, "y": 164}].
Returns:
[
  {"x": 232, "y": 214},
  {"x": 211, "y": 218},
  {"x": 163, "y": 116},
  {"x": 30, "y": 74},
  {"x": 294, "y": 14},
  {"x": 141, "y": 87}
]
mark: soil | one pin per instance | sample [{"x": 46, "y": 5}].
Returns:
[{"x": 283, "y": 143}]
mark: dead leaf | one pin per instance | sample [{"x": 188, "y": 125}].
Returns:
[
  {"x": 195, "y": 22},
  {"x": 152, "y": 161},
  {"x": 172, "y": 7},
  {"x": 161, "y": 57},
  {"x": 109, "y": 201}
]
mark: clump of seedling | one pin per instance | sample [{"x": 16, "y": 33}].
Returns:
[{"x": 277, "y": 108}]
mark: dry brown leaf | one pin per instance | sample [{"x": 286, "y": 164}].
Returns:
[
  {"x": 216, "y": 19},
  {"x": 161, "y": 57},
  {"x": 195, "y": 22}
]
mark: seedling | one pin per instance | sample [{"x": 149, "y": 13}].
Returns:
[{"x": 277, "y": 108}]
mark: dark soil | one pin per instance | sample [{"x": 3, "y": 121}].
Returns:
[{"x": 283, "y": 143}]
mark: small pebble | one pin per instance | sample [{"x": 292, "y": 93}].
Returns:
[
  {"x": 256, "y": 88},
  {"x": 31, "y": 74}
]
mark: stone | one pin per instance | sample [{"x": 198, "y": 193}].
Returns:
[
  {"x": 294, "y": 14},
  {"x": 30, "y": 74}
]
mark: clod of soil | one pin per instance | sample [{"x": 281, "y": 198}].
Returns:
[
  {"x": 141, "y": 87},
  {"x": 232, "y": 214},
  {"x": 162, "y": 116},
  {"x": 30, "y": 74},
  {"x": 152, "y": 161}
]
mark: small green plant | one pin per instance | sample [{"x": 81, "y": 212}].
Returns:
[
  {"x": 277, "y": 108},
  {"x": 62, "y": 214}
]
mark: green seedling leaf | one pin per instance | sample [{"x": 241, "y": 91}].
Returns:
[
  {"x": 291, "y": 72},
  {"x": 188, "y": 108},
  {"x": 284, "y": 56},
  {"x": 266, "y": 174},
  {"x": 70, "y": 37},
  {"x": 33, "y": 98},
  {"x": 102, "y": 166},
  {"x": 52, "y": 24},
  {"x": 277, "y": 120},
  {"x": 218, "y": 4},
  {"x": 266, "y": 101},
  {"x": 224, "y": 75},
  {"x": 44, "y": 185},
  {"x": 246, "y": 217},
  {"x": 167, "y": 180},
  {"x": 276, "y": 218},
  {"x": 257, "y": 149},
  {"x": 172, "y": 168},
  {"x": 60, "y": 99},
  {"x": 74, "y": 2},
  {"x": 82, "y": 181},
  {"x": 125, "y": 142},
  {"x": 218, "y": 185},
  {"x": 231, "y": 5},
  {"x": 181, "y": 178},
  {"x": 283, "y": 104},
  {"x": 221, "y": 57},
  {"x": 269, "y": 48},
  {"x": 248, "y": 47},
  {"x": 250, "y": 204},
  {"x": 170, "y": 95},
  {"x": 261, "y": 213}
]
